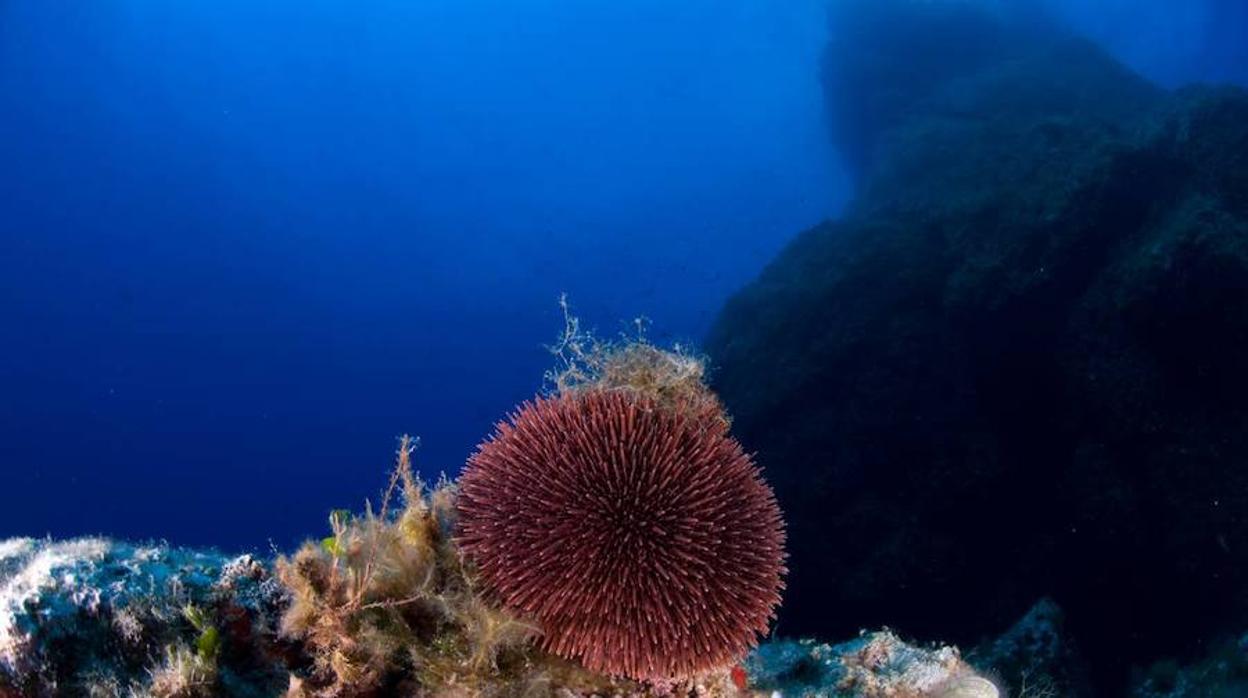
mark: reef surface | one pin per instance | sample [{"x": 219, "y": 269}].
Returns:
[{"x": 99, "y": 617}]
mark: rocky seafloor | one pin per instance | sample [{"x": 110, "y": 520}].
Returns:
[{"x": 98, "y": 617}]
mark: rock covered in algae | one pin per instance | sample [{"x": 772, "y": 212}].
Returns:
[
  {"x": 874, "y": 665},
  {"x": 92, "y": 616},
  {"x": 97, "y": 617}
]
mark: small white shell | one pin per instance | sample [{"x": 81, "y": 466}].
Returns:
[{"x": 970, "y": 687}]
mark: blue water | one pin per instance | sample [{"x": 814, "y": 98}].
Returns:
[{"x": 243, "y": 245}]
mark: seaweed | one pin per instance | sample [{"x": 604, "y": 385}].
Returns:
[
  {"x": 672, "y": 378},
  {"x": 386, "y": 601},
  {"x": 184, "y": 673}
]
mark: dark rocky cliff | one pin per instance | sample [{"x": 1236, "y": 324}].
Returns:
[{"x": 1016, "y": 366}]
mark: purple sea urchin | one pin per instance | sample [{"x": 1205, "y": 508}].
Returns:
[{"x": 641, "y": 538}]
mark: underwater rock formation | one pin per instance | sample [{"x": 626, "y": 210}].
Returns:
[
  {"x": 1036, "y": 656},
  {"x": 92, "y": 616},
  {"x": 1014, "y": 368},
  {"x": 1222, "y": 672},
  {"x": 98, "y": 617},
  {"x": 874, "y": 664}
]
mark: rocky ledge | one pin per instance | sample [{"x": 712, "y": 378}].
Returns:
[{"x": 97, "y": 617}]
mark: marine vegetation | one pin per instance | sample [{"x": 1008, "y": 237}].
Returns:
[
  {"x": 674, "y": 378},
  {"x": 386, "y": 605},
  {"x": 184, "y": 673},
  {"x": 620, "y": 514},
  {"x": 385, "y": 600}
]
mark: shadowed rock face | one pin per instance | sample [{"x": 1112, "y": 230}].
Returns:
[{"x": 1016, "y": 366}]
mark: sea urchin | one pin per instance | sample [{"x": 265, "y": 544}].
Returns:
[{"x": 640, "y": 538}]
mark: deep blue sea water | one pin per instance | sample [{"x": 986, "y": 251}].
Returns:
[{"x": 243, "y": 245}]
